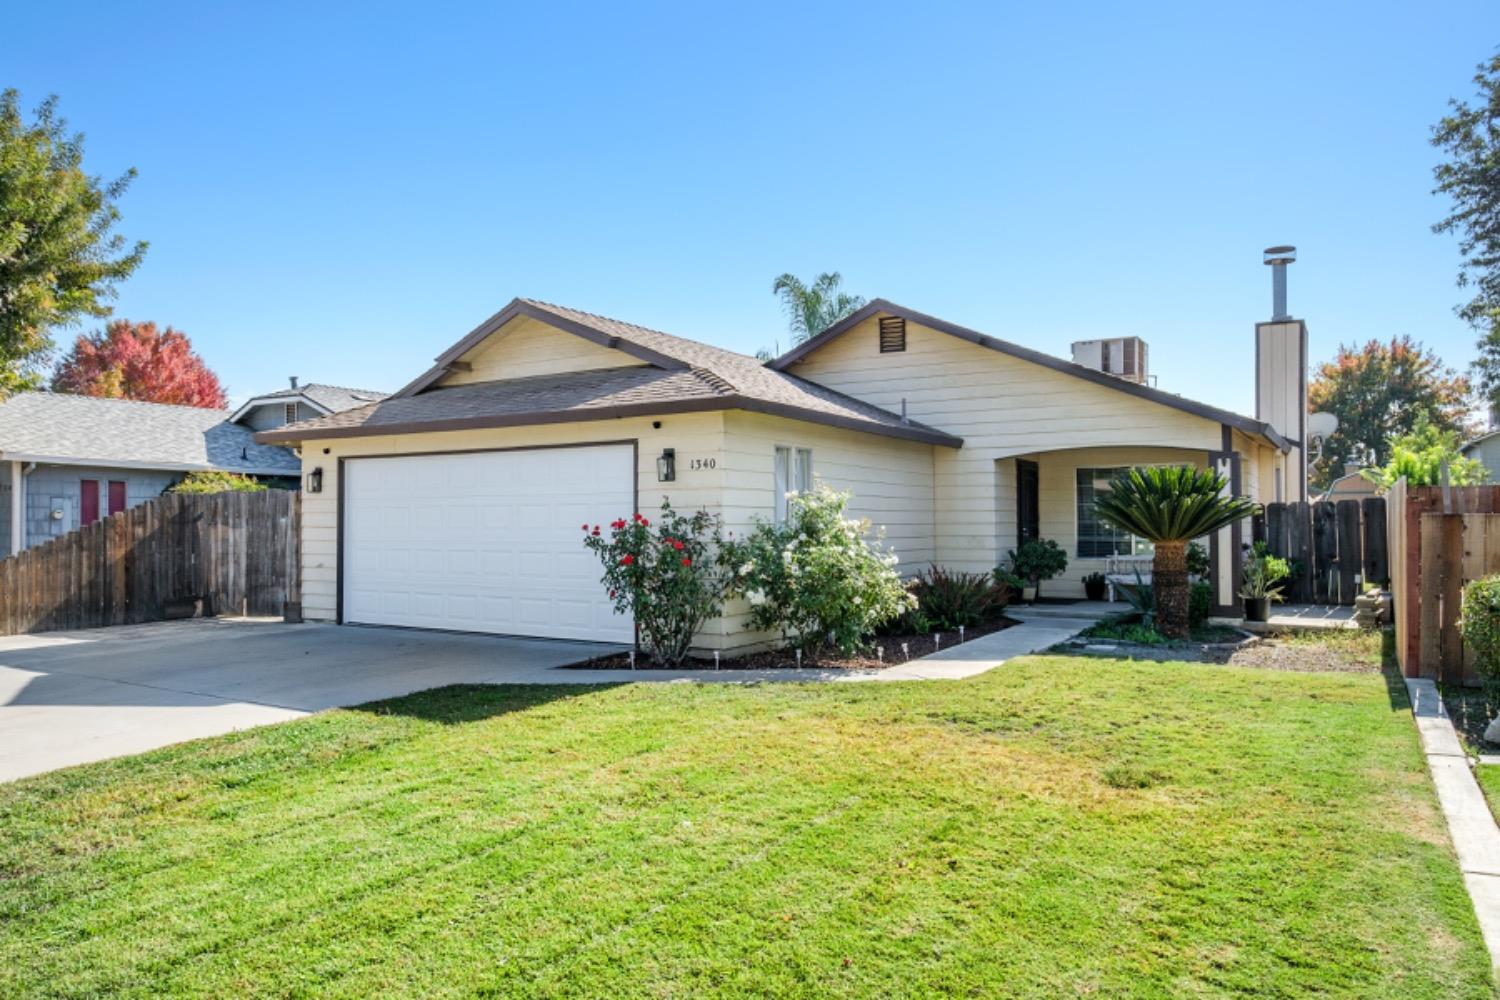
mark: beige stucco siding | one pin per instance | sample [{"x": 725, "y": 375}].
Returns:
[
  {"x": 1002, "y": 407},
  {"x": 525, "y": 346}
]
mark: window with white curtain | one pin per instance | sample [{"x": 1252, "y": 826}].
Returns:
[{"x": 793, "y": 475}]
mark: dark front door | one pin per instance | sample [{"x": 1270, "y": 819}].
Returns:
[{"x": 1028, "y": 514}]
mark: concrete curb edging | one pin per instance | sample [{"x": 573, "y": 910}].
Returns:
[{"x": 1476, "y": 836}]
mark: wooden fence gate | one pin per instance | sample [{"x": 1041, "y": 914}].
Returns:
[
  {"x": 1335, "y": 548},
  {"x": 240, "y": 553},
  {"x": 1440, "y": 540}
]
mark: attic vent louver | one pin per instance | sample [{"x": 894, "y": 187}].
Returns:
[{"x": 892, "y": 334}]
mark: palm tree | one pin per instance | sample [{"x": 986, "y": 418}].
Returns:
[
  {"x": 1169, "y": 506},
  {"x": 812, "y": 309}
]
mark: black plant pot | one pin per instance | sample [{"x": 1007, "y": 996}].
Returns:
[
  {"x": 1094, "y": 589},
  {"x": 1257, "y": 609}
]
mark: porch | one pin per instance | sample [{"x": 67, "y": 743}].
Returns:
[{"x": 1050, "y": 495}]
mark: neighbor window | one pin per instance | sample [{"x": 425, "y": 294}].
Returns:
[
  {"x": 291, "y": 413},
  {"x": 1096, "y": 538},
  {"x": 793, "y": 475}
]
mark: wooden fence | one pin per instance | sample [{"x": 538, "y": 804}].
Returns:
[
  {"x": 1335, "y": 548},
  {"x": 238, "y": 553},
  {"x": 1441, "y": 538}
]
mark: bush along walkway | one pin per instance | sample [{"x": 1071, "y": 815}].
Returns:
[{"x": 1476, "y": 837}]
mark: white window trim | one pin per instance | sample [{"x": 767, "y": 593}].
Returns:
[
  {"x": 289, "y": 412},
  {"x": 798, "y": 477}
]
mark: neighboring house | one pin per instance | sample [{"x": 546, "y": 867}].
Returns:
[
  {"x": 1485, "y": 449},
  {"x": 300, "y": 402},
  {"x": 456, "y": 503},
  {"x": 1352, "y": 485},
  {"x": 76, "y": 459}
]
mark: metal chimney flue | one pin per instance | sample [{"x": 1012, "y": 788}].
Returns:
[
  {"x": 1277, "y": 259},
  {"x": 293, "y": 380}
]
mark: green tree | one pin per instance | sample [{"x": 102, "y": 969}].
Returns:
[
  {"x": 811, "y": 309},
  {"x": 1470, "y": 177},
  {"x": 1420, "y": 456},
  {"x": 59, "y": 259},
  {"x": 1379, "y": 392},
  {"x": 1169, "y": 506}
]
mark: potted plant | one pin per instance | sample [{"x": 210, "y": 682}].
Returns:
[
  {"x": 1036, "y": 560},
  {"x": 1259, "y": 584},
  {"x": 1094, "y": 586}
]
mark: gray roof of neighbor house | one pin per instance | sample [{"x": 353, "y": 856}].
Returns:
[
  {"x": 877, "y": 306},
  {"x": 330, "y": 398},
  {"x": 680, "y": 376},
  {"x": 123, "y": 433}
]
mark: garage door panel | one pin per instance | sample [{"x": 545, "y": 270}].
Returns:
[{"x": 484, "y": 541}]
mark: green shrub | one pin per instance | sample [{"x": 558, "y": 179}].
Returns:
[
  {"x": 1200, "y": 603},
  {"x": 215, "y": 481},
  {"x": 1197, "y": 559},
  {"x": 1038, "y": 559},
  {"x": 947, "y": 599},
  {"x": 1480, "y": 625},
  {"x": 671, "y": 578},
  {"x": 819, "y": 579}
]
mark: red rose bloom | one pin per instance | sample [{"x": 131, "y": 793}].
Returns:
[
  {"x": 687, "y": 562},
  {"x": 629, "y": 560},
  {"x": 677, "y": 545},
  {"x": 645, "y": 523},
  {"x": 617, "y": 525},
  {"x": 596, "y": 531},
  {"x": 585, "y": 527}
]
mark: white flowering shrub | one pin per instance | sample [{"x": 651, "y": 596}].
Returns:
[{"x": 820, "y": 579}]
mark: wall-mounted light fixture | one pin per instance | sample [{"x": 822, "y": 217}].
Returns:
[
  {"x": 666, "y": 466},
  {"x": 315, "y": 480}
]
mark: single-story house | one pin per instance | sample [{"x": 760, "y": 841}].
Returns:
[
  {"x": 76, "y": 459},
  {"x": 456, "y": 503}
]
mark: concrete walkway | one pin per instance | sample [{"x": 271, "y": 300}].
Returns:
[
  {"x": 72, "y": 697},
  {"x": 1476, "y": 837}
]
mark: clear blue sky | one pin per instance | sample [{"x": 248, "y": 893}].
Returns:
[{"x": 340, "y": 196}]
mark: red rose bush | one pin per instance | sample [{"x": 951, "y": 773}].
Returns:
[{"x": 672, "y": 576}]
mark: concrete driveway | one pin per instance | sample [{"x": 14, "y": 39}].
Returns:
[{"x": 72, "y": 697}]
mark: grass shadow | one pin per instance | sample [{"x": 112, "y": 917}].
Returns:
[
  {"x": 458, "y": 704},
  {"x": 1390, "y": 670}
]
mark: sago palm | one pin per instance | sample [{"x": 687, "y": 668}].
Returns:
[
  {"x": 811, "y": 309},
  {"x": 1169, "y": 506}
]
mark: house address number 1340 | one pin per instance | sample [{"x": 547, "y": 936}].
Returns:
[{"x": 703, "y": 463}]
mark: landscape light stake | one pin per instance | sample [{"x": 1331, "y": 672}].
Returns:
[
  {"x": 937, "y": 641},
  {"x": 632, "y": 659},
  {"x": 879, "y": 654},
  {"x": 716, "y": 659},
  {"x": 960, "y": 635},
  {"x": 799, "y": 658},
  {"x": 905, "y": 653}
]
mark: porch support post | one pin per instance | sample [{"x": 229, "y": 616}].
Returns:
[
  {"x": 17, "y": 506},
  {"x": 1225, "y": 557}
]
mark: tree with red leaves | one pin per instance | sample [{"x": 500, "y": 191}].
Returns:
[{"x": 137, "y": 361}]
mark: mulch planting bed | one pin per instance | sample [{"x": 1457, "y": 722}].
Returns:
[{"x": 917, "y": 645}]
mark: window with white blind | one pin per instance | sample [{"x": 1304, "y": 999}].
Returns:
[{"x": 793, "y": 475}]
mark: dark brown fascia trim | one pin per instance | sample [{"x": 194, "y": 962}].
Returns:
[
  {"x": 913, "y": 433},
  {"x": 518, "y": 307},
  {"x": 1246, "y": 424}
]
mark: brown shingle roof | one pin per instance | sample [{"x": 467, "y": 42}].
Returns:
[{"x": 681, "y": 376}]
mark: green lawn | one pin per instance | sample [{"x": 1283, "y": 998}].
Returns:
[{"x": 1058, "y": 826}]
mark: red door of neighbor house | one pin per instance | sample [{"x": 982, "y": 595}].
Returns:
[
  {"x": 88, "y": 504},
  {"x": 116, "y": 496}
]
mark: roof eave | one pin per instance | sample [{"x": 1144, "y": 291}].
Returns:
[
  {"x": 924, "y": 435},
  {"x": 877, "y": 306},
  {"x": 520, "y": 307},
  {"x": 121, "y": 463}
]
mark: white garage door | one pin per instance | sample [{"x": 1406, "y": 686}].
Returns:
[{"x": 485, "y": 542}]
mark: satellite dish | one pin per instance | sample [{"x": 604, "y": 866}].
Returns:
[{"x": 1321, "y": 426}]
